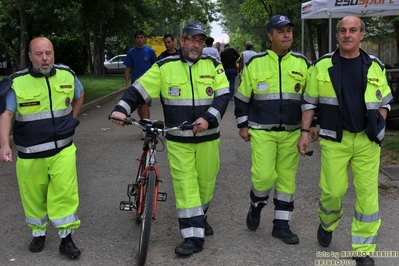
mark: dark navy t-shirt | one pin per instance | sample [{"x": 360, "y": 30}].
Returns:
[{"x": 353, "y": 104}]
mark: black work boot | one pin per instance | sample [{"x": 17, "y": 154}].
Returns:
[
  {"x": 285, "y": 235},
  {"x": 324, "y": 237},
  {"x": 37, "y": 244},
  {"x": 364, "y": 261},
  {"x": 208, "y": 228},
  {"x": 253, "y": 216},
  {"x": 188, "y": 247},
  {"x": 67, "y": 247}
]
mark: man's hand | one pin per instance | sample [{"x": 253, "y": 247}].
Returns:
[
  {"x": 244, "y": 134},
  {"x": 202, "y": 125},
  {"x": 118, "y": 115},
  {"x": 5, "y": 154},
  {"x": 313, "y": 135},
  {"x": 303, "y": 143}
]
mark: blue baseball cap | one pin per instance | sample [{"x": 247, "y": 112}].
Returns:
[
  {"x": 194, "y": 28},
  {"x": 278, "y": 21}
]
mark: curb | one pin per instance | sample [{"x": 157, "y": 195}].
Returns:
[{"x": 90, "y": 105}]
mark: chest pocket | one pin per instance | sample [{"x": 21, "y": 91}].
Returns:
[
  {"x": 204, "y": 86},
  {"x": 64, "y": 88},
  {"x": 297, "y": 75},
  {"x": 265, "y": 76},
  {"x": 325, "y": 85},
  {"x": 265, "y": 81},
  {"x": 28, "y": 93},
  {"x": 323, "y": 77},
  {"x": 375, "y": 81},
  {"x": 175, "y": 87}
]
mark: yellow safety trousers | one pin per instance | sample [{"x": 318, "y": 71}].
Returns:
[
  {"x": 275, "y": 160},
  {"x": 194, "y": 168},
  {"x": 363, "y": 156},
  {"x": 49, "y": 191}
]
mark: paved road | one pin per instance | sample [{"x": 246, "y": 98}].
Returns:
[{"x": 106, "y": 163}]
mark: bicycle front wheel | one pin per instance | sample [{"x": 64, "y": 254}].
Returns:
[{"x": 146, "y": 217}]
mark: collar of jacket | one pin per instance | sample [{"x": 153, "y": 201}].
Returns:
[
  {"x": 366, "y": 60},
  {"x": 38, "y": 74},
  {"x": 276, "y": 56}
]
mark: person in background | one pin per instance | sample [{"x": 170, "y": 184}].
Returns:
[
  {"x": 217, "y": 46},
  {"x": 209, "y": 49},
  {"x": 229, "y": 58},
  {"x": 349, "y": 88},
  {"x": 137, "y": 61},
  {"x": 44, "y": 100},
  {"x": 193, "y": 88},
  {"x": 268, "y": 114},
  {"x": 169, "y": 42},
  {"x": 246, "y": 55}
]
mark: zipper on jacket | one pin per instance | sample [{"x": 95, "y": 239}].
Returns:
[
  {"x": 280, "y": 89},
  {"x": 52, "y": 113}
]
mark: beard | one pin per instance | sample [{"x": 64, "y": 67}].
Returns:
[
  {"x": 192, "y": 55},
  {"x": 45, "y": 71}
]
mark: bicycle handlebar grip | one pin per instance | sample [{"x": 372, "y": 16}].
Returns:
[
  {"x": 189, "y": 126},
  {"x": 159, "y": 124}
]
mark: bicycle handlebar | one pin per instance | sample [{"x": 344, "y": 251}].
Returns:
[{"x": 154, "y": 125}]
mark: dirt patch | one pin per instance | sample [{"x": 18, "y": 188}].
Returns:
[
  {"x": 389, "y": 158},
  {"x": 389, "y": 191}
]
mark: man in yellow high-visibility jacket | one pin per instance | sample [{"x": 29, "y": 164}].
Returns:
[
  {"x": 350, "y": 90},
  {"x": 193, "y": 87},
  {"x": 45, "y": 100}
]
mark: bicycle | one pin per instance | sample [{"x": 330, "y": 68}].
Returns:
[{"x": 145, "y": 188}]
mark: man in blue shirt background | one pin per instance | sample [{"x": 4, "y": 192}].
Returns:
[{"x": 138, "y": 60}]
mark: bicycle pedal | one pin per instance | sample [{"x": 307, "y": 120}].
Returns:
[
  {"x": 126, "y": 206},
  {"x": 162, "y": 196}
]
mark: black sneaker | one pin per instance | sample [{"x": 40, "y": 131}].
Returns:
[
  {"x": 364, "y": 261},
  {"x": 324, "y": 237},
  {"x": 69, "y": 248},
  {"x": 285, "y": 235},
  {"x": 188, "y": 247},
  {"x": 253, "y": 219},
  {"x": 37, "y": 244},
  {"x": 208, "y": 228}
]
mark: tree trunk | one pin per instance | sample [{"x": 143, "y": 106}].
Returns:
[
  {"x": 309, "y": 38},
  {"x": 395, "y": 25},
  {"x": 322, "y": 37},
  {"x": 23, "y": 58},
  {"x": 99, "y": 46}
]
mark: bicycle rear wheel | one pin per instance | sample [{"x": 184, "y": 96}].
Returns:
[{"x": 146, "y": 218}]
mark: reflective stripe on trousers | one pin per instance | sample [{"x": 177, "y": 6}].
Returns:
[{"x": 363, "y": 156}]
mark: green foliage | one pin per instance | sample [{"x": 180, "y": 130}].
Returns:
[
  {"x": 97, "y": 87},
  {"x": 71, "y": 52},
  {"x": 254, "y": 16},
  {"x": 391, "y": 141}
]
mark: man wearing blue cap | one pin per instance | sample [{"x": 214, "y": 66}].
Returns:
[
  {"x": 193, "y": 88},
  {"x": 268, "y": 114}
]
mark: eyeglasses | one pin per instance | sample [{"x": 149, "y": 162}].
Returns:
[{"x": 193, "y": 40}]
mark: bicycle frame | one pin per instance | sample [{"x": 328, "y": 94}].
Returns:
[
  {"x": 145, "y": 188},
  {"x": 147, "y": 163}
]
